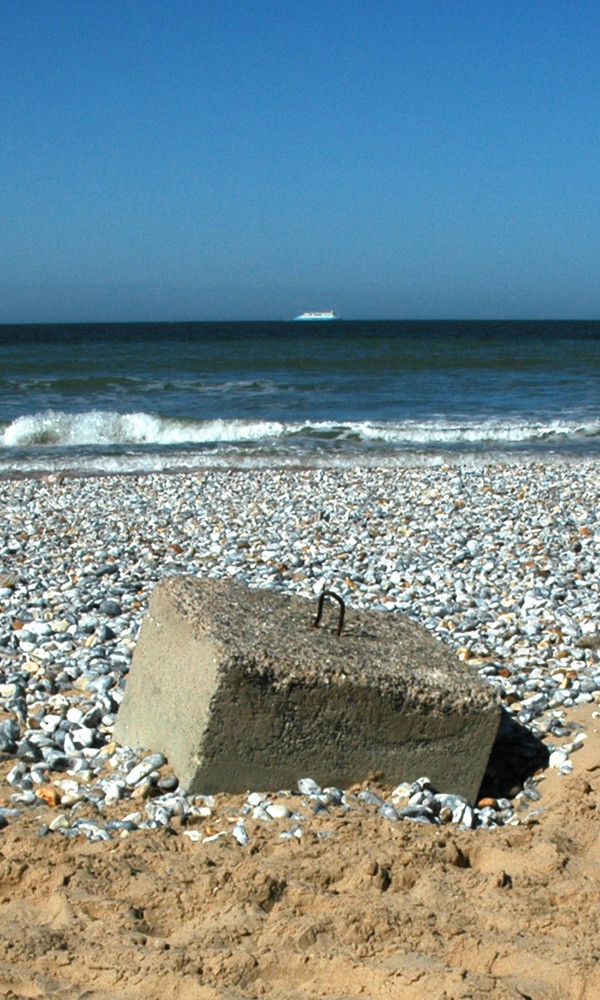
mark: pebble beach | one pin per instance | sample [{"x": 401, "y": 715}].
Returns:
[
  {"x": 117, "y": 883},
  {"x": 498, "y": 561}
]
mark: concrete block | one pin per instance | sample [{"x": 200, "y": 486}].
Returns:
[{"x": 239, "y": 690}]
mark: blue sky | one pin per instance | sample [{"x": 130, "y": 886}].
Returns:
[{"x": 243, "y": 159}]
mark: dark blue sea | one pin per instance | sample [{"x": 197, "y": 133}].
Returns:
[{"x": 139, "y": 397}]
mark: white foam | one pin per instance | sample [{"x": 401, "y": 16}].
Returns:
[
  {"x": 99, "y": 427},
  {"x": 480, "y": 432}
]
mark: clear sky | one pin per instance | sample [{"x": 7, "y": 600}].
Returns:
[{"x": 247, "y": 159}]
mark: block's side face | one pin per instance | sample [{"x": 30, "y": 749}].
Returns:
[
  {"x": 169, "y": 689},
  {"x": 453, "y": 756},
  {"x": 259, "y": 738},
  {"x": 242, "y": 746}
]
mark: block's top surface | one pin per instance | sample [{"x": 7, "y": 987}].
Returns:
[{"x": 270, "y": 634}]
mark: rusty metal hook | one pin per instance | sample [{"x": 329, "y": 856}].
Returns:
[{"x": 336, "y": 597}]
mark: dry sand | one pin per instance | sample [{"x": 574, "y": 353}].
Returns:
[{"x": 374, "y": 910}]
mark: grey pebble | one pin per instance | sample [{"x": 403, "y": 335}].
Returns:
[
  {"x": 111, "y": 608},
  {"x": 370, "y": 798},
  {"x": 145, "y": 767},
  {"x": 306, "y": 786}
]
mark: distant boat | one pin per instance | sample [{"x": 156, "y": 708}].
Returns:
[{"x": 316, "y": 315}]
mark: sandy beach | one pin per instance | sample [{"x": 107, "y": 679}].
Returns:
[
  {"x": 376, "y": 911},
  {"x": 356, "y": 906}
]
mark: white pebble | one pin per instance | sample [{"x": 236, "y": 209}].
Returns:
[{"x": 557, "y": 759}]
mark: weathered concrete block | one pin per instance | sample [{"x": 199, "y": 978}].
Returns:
[{"x": 240, "y": 692}]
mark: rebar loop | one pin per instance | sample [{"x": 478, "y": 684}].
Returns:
[{"x": 336, "y": 597}]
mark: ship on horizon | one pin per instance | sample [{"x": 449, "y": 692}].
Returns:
[{"x": 316, "y": 315}]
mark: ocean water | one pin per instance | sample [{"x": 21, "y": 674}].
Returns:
[{"x": 139, "y": 397}]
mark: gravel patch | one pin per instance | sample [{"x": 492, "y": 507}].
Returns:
[{"x": 500, "y": 562}]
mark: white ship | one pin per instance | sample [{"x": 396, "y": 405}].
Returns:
[{"x": 316, "y": 315}]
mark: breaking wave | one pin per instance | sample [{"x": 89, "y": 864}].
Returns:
[
  {"x": 99, "y": 440},
  {"x": 98, "y": 427}
]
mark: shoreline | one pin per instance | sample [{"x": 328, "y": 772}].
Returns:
[{"x": 473, "y": 461}]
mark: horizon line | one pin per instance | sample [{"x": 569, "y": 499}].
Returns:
[{"x": 343, "y": 319}]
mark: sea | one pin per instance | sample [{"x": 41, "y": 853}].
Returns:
[{"x": 144, "y": 397}]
